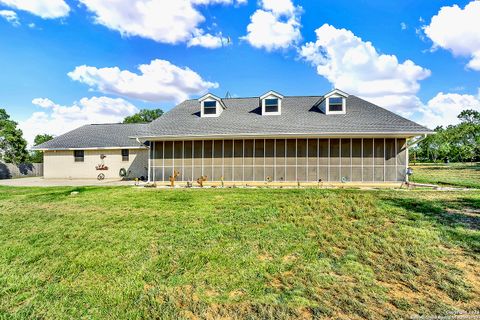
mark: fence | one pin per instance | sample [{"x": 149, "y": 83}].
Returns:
[{"x": 10, "y": 171}]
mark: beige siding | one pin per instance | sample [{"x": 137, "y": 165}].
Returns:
[{"x": 61, "y": 164}]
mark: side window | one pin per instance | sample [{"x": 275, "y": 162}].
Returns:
[
  {"x": 125, "y": 155},
  {"x": 335, "y": 104},
  {"x": 79, "y": 155},
  {"x": 210, "y": 107}
]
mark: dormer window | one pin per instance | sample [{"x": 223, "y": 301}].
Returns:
[
  {"x": 211, "y": 106},
  {"x": 335, "y": 104},
  {"x": 271, "y": 103}
]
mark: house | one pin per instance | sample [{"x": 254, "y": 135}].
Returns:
[{"x": 335, "y": 137}]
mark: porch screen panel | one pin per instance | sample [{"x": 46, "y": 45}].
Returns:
[
  {"x": 401, "y": 159},
  {"x": 356, "y": 152},
  {"x": 269, "y": 159},
  {"x": 158, "y": 161},
  {"x": 379, "y": 159},
  {"x": 178, "y": 157},
  {"x": 323, "y": 152},
  {"x": 291, "y": 170},
  {"x": 187, "y": 161},
  {"x": 302, "y": 159},
  {"x": 197, "y": 159},
  {"x": 335, "y": 160},
  {"x": 168, "y": 156},
  {"x": 312, "y": 160},
  {"x": 269, "y": 152},
  {"x": 207, "y": 159},
  {"x": 248, "y": 160},
  {"x": 158, "y": 154},
  {"x": 312, "y": 152},
  {"x": 390, "y": 160},
  {"x": 368, "y": 160},
  {"x": 345, "y": 159},
  {"x": 259, "y": 172},
  {"x": 323, "y": 173},
  {"x": 280, "y": 160},
  {"x": 228, "y": 160},
  {"x": 217, "y": 160},
  {"x": 356, "y": 174},
  {"x": 238, "y": 160}
]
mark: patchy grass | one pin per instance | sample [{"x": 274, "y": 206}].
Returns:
[
  {"x": 455, "y": 174},
  {"x": 123, "y": 253}
]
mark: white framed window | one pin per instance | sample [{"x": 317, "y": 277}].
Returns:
[
  {"x": 271, "y": 103},
  {"x": 334, "y": 102},
  {"x": 211, "y": 106}
]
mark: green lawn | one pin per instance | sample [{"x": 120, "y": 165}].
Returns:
[
  {"x": 455, "y": 174},
  {"x": 124, "y": 253}
]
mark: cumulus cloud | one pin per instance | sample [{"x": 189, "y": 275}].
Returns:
[
  {"x": 46, "y": 9},
  {"x": 356, "y": 67},
  {"x": 163, "y": 21},
  {"x": 208, "y": 41},
  {"x": 57, "y": 119},
  {"x": 275, "y": 26},
  {"x": 457, "y": 30},
  {"x": 158, "y": 81},
  {"x": 443, "y": 109},
  {"x": 10, "y": 16}
]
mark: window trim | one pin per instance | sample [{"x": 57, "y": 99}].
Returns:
[
  {"x": 77, "y": 158},
  {"x": 125, "y": 158}
]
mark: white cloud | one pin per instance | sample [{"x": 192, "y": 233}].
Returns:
[
  {"x": 158, "y": 81},
  {"x": 57, "y": 119},
  {"x": 163, "y": 21},
  {"x": 46, "y": 9},
  {"x": 208, "y": 40},
  {"x": 275, "y": 26},
  {"x": 356, "y": 67},
  {"x": 443, "y": 109},
  {"x": 10, "y": 16},
  {"x": 457, "y": 30},
  {"x": 403, "y": 26}
]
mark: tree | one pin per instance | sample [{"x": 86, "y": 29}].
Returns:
[
  {"x": 37, "y": 156},
  {"x": 458, "y": 143},
  {"x": 144, "y": 116},
  {"x": 13, "y": 147}
]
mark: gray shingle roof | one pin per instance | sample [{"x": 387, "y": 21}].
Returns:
[
  {"x": 97, "y": 136},
  {"x": 242, "y": 116},
  {"x": 300, "y": 115}
]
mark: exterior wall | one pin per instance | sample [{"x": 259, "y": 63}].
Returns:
[
  {"x": 62, "y": 165},
  {"x": 304, "y": 160}
]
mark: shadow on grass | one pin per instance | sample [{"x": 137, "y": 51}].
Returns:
[{"x": 458, "y": 219}]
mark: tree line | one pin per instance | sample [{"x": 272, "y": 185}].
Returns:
[
  {"x": 454, "y": 143},
  {"x": 13, "y": 146}
]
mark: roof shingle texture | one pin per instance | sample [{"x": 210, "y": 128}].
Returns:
[
  {"x": 300, "y": 115},
  {"x": 97, "y": 136}
]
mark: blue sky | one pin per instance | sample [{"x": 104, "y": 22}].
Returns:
[{"x": 67, "y": 63}]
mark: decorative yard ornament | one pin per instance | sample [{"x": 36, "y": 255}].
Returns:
[
  {"x": 201, "y": 180},
  {"x": 222, "y": 181},
  {"x": 102, "y": 165},
  {"x": 268, "y": 179},
  {"x": 173, "y": 178}
]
